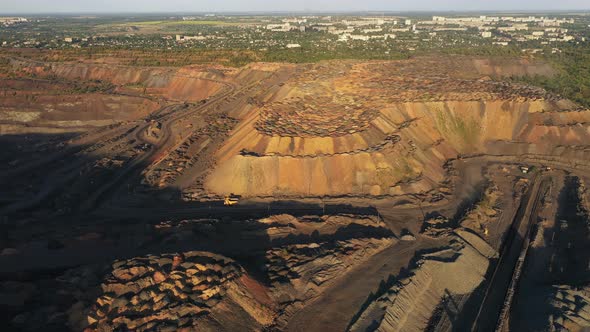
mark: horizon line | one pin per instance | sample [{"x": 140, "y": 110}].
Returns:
[{"x": 307, "y": 12}]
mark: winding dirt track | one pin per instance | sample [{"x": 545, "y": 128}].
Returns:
[
  {"x": 330, "y": 311},
  {"x": 160, "y": 150}
]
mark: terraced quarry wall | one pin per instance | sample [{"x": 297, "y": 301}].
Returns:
[
  {"x": 182, "y": 84},
  {"x": 355, "y": 130},
  {"x": 403, "y": 150},
  {"x": 75, "y": 110},
  {"x": 35, "y": 105},
  {"x": 54, "y": 97}
]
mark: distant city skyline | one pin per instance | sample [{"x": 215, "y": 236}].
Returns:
[{"x": 148, "y": 6}]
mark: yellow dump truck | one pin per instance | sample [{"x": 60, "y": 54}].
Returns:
[{"x": 230, "y": 200}]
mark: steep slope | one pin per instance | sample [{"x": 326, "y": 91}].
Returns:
[
  {"x": 386, "y": 129},
  {"x": 181, "y": 84},
  {"x": 410, "y": 303}
]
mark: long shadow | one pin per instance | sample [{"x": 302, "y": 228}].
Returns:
[
  {"x": 383, "y": 288},
  {"x": 499, "y": 276},
  {"x": 446, "y": 308},
  {"x": 572, "y": 241},
  {"x": 61, "y": 237},
  {"x": 465, "y": 318},
  {"x": 562, "y": 261},
  {"x": 45, "y": 169}
]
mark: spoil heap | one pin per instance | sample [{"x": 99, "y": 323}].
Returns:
[
  {"x": 296, "y": 259},
  {"x": 50, "y": 106},
  {"x": 388, "y": 128},
  {"x": 284, "y": 226},
  {"x": 314, "y": 117},
  {"x": 445, "y": 275},
  {"x": 307, "y": 266},
  {"x": 177, "y": 292},
  {"x": 183, "y": 84},
  {"x": 187, "y": 154}
]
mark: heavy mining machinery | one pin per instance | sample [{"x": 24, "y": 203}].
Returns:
[{"x": 230, "y": 200}]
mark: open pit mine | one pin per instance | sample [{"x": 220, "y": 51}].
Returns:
[{"x": 426, "y": 194}]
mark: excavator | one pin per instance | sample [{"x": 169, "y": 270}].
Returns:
[{"x": 231, "y": 200}]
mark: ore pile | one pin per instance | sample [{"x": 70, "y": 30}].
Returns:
[
  {"x": 413, "y": 83},
  {"x": 413, "y": 89}
]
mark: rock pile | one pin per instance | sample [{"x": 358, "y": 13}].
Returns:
[
  {"x": 437, "y": 227},
  {"x": 313, "y": 116},
  {"x": 194, "y": 291},
  {"x": 420, "y": 89},
  {"x": 332, "y": 100},
  {"x": 305, "y": 267},
  {"x": 163, "y": 293},
  {"x": 483, "y": 213},
  {"x": 186, "y": 155},
  {"x": 280, "y": 227},
  {"x": 301, "y": 272},
  {"x": 154, "y": 129}
]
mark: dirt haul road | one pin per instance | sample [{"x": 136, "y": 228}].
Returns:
[{"x": 159, "y": 151}]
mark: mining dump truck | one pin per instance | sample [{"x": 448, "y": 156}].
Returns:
[{"x": 230, "y": 200}]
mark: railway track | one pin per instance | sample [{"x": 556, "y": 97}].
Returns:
[
  {"x": 495, "y": 306},
  {"x": 503, "y": 319}
]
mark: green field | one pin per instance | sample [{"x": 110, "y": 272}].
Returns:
[{"x": 172, "y": 23}]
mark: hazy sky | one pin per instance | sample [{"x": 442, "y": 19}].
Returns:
[{"x": 49, "y": 6}]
